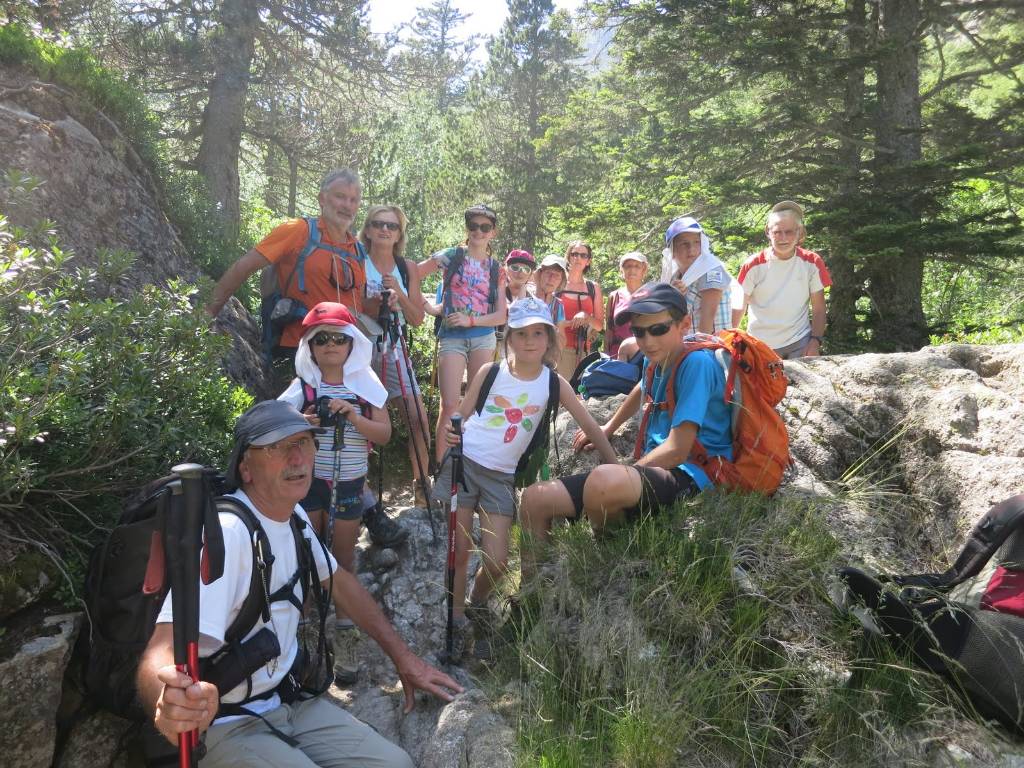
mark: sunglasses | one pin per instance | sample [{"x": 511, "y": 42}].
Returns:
[
  {"x": 658, "y": 329},
  {"x": 485, "y": 228},
  {"x": 391, "y": 226},
  {"x": 324, "y": 338},
  {"x": 579, "y": 254},
  {"x": 521, "y": 268}
]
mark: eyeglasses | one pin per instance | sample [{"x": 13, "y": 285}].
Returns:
[
  {"x": 324, "y": 338},
  {"x": 485, "y": 228},
  {"x": 391, "y": 226},
  {"x": 579, "y": 254},
  {"x": 658, "y": 329},
  {"x": 304, "y": 444},
  {"x": 521, "y": 268}
]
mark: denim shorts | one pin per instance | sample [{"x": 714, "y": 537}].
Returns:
[
  {"x": 350, "y": 498},
  {"x": 451, "y": 345}
]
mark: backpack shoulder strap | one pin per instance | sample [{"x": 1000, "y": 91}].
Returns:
[
  {"x": 485, "y": 387},
  {"x": 492, "y": 285},
  {"x": 591, "y": 290},
  {"x": 403, "y": 271},
  {"x": 308, "y": 394},
  {"x": 542, "y": 435},
  {"x": 985, "y": 539},
  {"x": 255, "y": 604}
]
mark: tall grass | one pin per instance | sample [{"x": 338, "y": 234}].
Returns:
[{"x": 705, "y": 637}]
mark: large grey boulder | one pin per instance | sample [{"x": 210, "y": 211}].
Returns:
[
  {"x": 101, "y": 196},
  {"x": 30, "y": 688}
]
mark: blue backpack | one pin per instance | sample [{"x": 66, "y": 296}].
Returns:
[{"x": 604, "y": 376}]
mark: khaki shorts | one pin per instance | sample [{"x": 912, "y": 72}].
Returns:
[
  {"x": 328, "y": 736},
  {"x": 450, "y": 345},
  {"x": 487, "y": 489},
  {"x": 794, "y": 350}
]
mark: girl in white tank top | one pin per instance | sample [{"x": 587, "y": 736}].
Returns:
[{"x": 496, "y": 438}]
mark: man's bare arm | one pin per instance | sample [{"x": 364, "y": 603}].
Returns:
[{"x": 230, "y": 281}]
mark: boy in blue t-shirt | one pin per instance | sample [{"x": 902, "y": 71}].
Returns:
[{"x": 612, "y": 493}]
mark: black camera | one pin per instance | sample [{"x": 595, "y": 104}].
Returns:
[
  {"x": 237, "y": 663},
  {"x": 324, "y": 413}
]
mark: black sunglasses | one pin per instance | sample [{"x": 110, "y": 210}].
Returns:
[
  {"x": 393, "y": 226},
  {"x": 579, "y": 254},
  {"x": 324, "y": 338},
  {"x": 658, "y": 329},
  {"x": 485, "y": 228}
]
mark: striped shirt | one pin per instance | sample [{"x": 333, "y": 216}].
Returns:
[{"x": 354, "y": 453}]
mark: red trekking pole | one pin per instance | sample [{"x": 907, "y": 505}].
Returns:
[
  {"x": 184, "y": 536},
  {"x": 455, "y": 453}
]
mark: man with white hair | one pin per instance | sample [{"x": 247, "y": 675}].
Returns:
[
  {"x": 779, "y": 282},
  {"x": 312, "y": 266}
]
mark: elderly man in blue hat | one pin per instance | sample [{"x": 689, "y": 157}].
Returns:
[
  {"x": 257, "y": 722},
  {"x": 683, "y": 402}
]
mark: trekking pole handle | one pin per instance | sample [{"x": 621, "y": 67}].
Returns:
[{"x": 457, "y": 430}]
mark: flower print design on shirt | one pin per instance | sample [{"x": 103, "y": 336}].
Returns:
[
  {"x": 515, "y": 414},
  {"x": 471, "y": 286}
]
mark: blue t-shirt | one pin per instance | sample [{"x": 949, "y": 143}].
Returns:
[{"x": 700, "y": 398}]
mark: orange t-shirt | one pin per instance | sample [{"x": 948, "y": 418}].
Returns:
[{"x": 329, "y": 276}]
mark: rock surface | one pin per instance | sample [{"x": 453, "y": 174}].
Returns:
[
  {"x": 101, "y": 196},
  {"x": 30, "y": 690}
]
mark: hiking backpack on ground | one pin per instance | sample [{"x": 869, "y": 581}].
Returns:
[
  {"x": 599, "y": 375},
  {"x": 534, "y": 461},
  {"x": 454, "y": 268},
  {"x": 966, "y": 624},
  {"x": 125, "y": 587},
  {"x": 755, "y": 383},
  {"x": 278, "y": 311}
]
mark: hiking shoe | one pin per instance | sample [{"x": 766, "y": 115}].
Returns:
[
  {"x": 482, "y": 650},
  {"x": 346, "y": 653},
  {"x": 384, "y": 532},
  {"x": 417, "y": 499}
]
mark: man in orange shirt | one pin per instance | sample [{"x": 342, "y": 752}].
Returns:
[{"x": 332, "y": 272}]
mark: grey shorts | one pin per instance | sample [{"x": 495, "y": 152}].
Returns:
[
  {"x": 450, "y": 345},
  {"x": 794, "y": 350},
  {"x": 392, "y": 372},
  {"x": 486, "y": 489}
]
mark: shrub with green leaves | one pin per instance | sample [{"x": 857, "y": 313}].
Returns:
[{"x": 98, "y": 394}]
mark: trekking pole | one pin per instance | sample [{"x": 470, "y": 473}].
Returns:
[
  {"x": 332, "y": 507},
  {"x": 184, "y": 537},
  {"x": 455, "y": 452},
  {"x": 420, "y": 468},
  {"x": 384, "y": 321}
]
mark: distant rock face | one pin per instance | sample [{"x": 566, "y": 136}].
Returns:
[
  {"x": 938, "y": 433},
  {"x": 100, "y": 195}
]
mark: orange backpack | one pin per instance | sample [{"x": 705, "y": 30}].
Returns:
[{"x": 754, "y": 384}]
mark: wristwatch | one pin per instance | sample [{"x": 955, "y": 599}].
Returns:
[{"x": 818, "y": 339}]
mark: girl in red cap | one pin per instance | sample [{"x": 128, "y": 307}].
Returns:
[{"x": 335, "y": 377}]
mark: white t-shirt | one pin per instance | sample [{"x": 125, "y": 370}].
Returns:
[
  {"x": 221, "y": 601},
  {"x": 512, "y": 412},
  {"x": 777, "y": 293},
  {"x": 355, "y": 452}
]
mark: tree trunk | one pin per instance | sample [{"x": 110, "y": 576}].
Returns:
[
  {"x": 223, "y": 117},
  {"x": 847, "y": 284},
  {"x": 897, "y": 317}
]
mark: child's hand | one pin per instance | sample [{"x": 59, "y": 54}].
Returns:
[
  {"x": 310, "y": 415},
  {"x": 451, "y": 438},
  {"x": 343, "y": 408},
  {"x": 581, "y": 442},
  {"x": 457, "y": 320}
]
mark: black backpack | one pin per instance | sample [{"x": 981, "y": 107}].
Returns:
[
  {"x": 455, "y": 267},
  {"x": 125, "y": 588},
  {"x": 533, "y": 462},
  {"x": 967, "y": 623}
]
